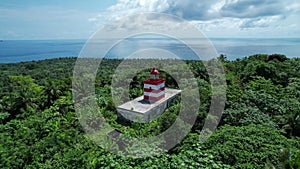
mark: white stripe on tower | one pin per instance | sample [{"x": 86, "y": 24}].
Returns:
[
  {"x": 154, "y": 87},
  {"x": 154, "y": 94}
]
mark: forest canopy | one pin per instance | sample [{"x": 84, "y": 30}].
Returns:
[{"x": 259, "y": 128}]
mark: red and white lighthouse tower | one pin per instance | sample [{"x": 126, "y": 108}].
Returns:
[
  {"x": 155, "y": 93},
  {"x": 154, "y": 87}
]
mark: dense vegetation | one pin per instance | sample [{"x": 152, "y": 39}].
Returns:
[{"x": 260, "y": 127}]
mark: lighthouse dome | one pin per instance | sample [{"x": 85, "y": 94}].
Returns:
[{"x": 154, "y": 71}]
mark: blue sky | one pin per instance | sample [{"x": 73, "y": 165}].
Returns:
[{"x": 76, "y": 19}]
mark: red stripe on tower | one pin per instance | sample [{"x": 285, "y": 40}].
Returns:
[
  {"x": 153, "y": 90},
  {"x": 154, "y": 98}
]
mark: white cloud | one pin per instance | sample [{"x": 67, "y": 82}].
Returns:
[
  {"x": 214, "y": 15},
  {"x": 252, "y": 9},
  {"x": 261, "y": 22},
  {"x": 149, "y": 22},
  {"x": 294, "y": 7}
]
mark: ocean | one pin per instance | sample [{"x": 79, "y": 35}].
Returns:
[{"x": 12, "y": 51}]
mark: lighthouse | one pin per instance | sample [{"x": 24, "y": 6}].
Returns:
[
  {"x": 155, "y": 99},
  {"x": 154, "y": 87}
]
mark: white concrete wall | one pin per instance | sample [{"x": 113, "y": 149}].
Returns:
[
  {"x": 148, "y": 116},
  {"x": 131, "y": 115}
]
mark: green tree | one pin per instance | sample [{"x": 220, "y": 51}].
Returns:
[{"x": 247, "y": 146}]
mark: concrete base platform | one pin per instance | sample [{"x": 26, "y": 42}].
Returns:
[{"x": 142, "y": 111}]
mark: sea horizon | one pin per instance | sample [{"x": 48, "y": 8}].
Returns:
[{"x": 14, "y": 51}]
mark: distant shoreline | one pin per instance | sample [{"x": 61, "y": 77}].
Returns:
[
  {"x": 15, "y": 51},
  {"x": 119, "y": 59}
]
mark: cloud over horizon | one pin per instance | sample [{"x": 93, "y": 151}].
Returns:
[
  {"x": 217, "y": 15},
  {"x": 74, "y": 19}
]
